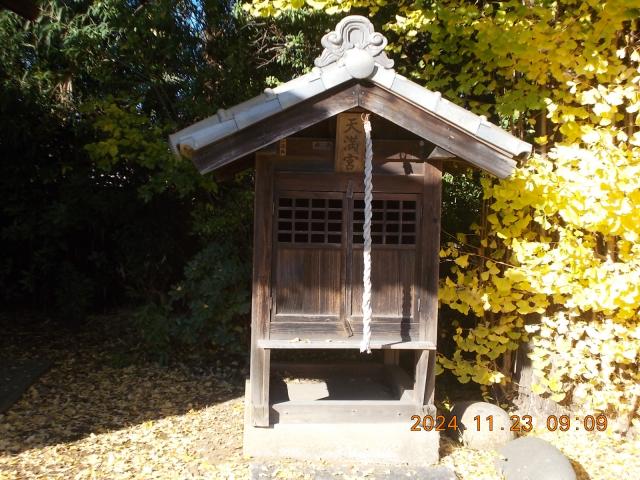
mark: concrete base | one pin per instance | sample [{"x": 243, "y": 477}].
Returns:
[
  {"x": 333, "y": 471},
  {"x": 383, "y": 443}
]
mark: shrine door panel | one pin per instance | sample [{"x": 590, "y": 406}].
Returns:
[
  {"x": 318, "y": 265},
  {"x": 394, "y": 272},
  {"x": 308, "y": 270}
]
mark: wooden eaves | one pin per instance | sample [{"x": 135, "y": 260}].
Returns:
[
  {"x": 343, "y": 79},
  {"x": 372, "y": 98}
]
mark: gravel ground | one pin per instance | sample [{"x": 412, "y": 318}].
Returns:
[{"x": 85, "y": 418}]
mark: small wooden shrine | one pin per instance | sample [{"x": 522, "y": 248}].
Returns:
[{"x": 306, "y": 141}]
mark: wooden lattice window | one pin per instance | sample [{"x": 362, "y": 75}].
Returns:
[
  {"x": 309, "y": 220},
  {"x": 393, "y": 222}
]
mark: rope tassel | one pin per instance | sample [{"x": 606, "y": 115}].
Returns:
[{"x": 366, "y": 276}]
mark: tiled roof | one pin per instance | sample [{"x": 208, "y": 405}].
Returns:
[{"x": 352, "y": 51}]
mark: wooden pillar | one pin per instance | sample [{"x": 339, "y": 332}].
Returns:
[
  {"x": 425, "y": 381},
  {"x": 424, "y": 387},
  {"x": 261, "y": 292},
  {"x": 391, "y": 357}
]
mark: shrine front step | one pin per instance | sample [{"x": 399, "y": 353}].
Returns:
[{"x": 381, "y": 443}]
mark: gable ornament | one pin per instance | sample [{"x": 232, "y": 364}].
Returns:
[{"x": 357, "y": 44}]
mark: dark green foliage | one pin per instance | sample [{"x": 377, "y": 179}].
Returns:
[
  {"x": 461, "y": 207},
  {"x": 215, "y": 294},
  {"x": 208, "y": 309},
  {"x": 96, "y": 212},
  {"x": 74, "y": 292},
  {"x": 461, "y": 201}
]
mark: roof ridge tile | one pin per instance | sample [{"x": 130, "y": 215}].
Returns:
[{"x": 334, "y": 67}]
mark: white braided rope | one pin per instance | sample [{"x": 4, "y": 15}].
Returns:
[{"x": 366, "y": 275}]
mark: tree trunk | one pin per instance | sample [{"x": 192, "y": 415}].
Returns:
[{"x": 527, "y": 402}]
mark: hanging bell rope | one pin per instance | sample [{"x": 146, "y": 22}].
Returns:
[{"x": 366, "y": 276}]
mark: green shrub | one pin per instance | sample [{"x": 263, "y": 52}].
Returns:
[{"x": 207, "y": 310}]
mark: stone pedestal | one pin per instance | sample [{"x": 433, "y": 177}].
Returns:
[{"x": 383, "y": 443}]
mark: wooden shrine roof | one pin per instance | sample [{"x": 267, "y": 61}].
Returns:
[{"x": 352, "y": 71}]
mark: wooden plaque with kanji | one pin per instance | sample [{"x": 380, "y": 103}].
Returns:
[{"x": 349, "y": 143}]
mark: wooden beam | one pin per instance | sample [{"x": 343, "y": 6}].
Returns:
[
  {"x": 344, "y": 411},
  {"x": 424, "y": 385},
  {"x": 420, "y": 379},
  {"x": 430, "y": 247},
  {"x": 424, "y": 382},
  {"x": 272, "y": 129},
  {"x": 430, "y": 387},
  {"x": 391, "y": 357},
  {"x": 260, "y": 300},
  {"x": 433, "y": 129},
  {"x": 343, "y": 344},
  {"x": 323, "y": 148},
  {"x": 332, "y": 182},
  {"x": 387, "y": 332}
]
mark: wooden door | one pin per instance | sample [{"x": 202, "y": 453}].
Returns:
[
  {"x": 394, "y": 265},
  {"x": 317, "y": 265},
  {"x": 308, "y": 269}
]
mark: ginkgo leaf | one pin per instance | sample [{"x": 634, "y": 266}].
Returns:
[
  {"x": 462, "y": 261},
  {"x": 537, "y": 389}
]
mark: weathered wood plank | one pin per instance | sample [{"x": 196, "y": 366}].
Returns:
[
  {"x": 345, "y": 256},
  {"x": 424, "y": 382},
  {"x": 433, "y": 129},
  {"x": 259, "y": 361},
  {"x": 275, "y": 127},
  {"x": 344, "y": 344},
  {"x": 305, "y": 164},
  {"x": 337, "y": 411},
  {"x": 430, "y": 262},
  {"x": 391, "y": 357},
  {"x": 323, "y": 148},
  {"x": 300, "y": 317},
  {"x": 392, "y": 328},
  {"x": 306, "y": 330},
  {"x": 420, "y": 380},
  {"x": 430, "y": 387},
  {"x": 307, "y": 281},
  {"x": 324, "y": 182},
  {"x": 382, "y": 319},
  {"x": 395, "y": 330},
  {"x": 393, "y": 282}
]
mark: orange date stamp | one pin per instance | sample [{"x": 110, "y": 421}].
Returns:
[{"x": 519, "y": 423}]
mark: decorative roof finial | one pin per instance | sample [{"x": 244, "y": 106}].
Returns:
[{"x": 355, "y": 41}]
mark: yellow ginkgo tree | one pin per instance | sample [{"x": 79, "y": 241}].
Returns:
[{"x": 555, "y": 259}]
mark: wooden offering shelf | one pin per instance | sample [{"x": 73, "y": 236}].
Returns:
[{"x": 344, "y": 344}]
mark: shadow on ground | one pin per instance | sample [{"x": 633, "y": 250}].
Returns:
[{"x": 83, "y": 393}]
